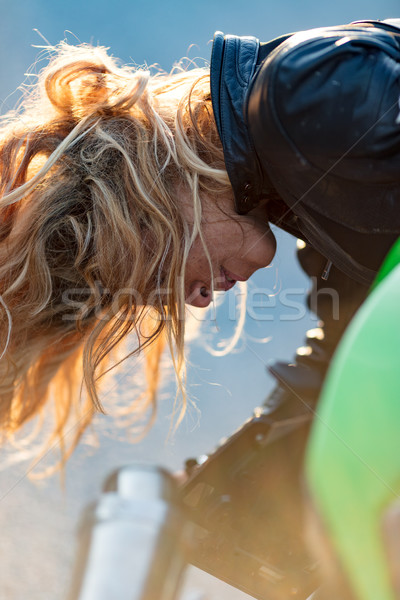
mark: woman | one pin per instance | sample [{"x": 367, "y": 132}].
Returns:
[
  {"x": 115, "y": 209},
  {"x": 123, "y": 197}
]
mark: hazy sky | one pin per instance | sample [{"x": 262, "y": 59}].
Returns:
[{"x": 157, "y": 30}]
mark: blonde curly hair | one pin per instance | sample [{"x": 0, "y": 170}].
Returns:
[{"x": 93, "y": 244}]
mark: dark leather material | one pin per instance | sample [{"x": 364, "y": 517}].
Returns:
[
  {"x": 233, "y": 64},
  {"x": 316, "y": 129},
  {"x": 327, "y": 101}
]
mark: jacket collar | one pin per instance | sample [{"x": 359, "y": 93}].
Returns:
[{"x": 233, "y": 64}]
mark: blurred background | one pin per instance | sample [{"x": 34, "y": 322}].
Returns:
[{"x": 38, "y": 519}]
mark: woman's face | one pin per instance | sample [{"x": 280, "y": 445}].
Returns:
[{"x": 238, "y": 245}]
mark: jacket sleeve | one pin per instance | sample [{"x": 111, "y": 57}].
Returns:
[{"x": 323, "y": 111}]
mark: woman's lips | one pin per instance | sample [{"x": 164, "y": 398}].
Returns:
[
  {"x": 233, "y": 276},
  {"x": 228, "y": 279}
]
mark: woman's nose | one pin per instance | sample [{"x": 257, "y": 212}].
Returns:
[{"x": 199, "y": 295}]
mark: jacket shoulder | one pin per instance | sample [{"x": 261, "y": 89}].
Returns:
[{"x": 324, "y": 115}]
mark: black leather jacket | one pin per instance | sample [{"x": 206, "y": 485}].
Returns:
[{"x": 311, "y": 121}]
